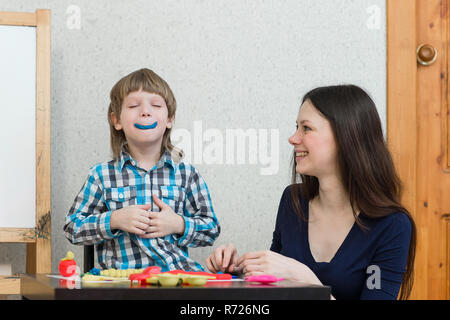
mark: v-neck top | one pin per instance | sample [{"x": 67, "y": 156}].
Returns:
[{"x": 369, "y": 264}]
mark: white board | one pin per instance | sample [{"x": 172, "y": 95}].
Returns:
[{"x": 17, "y": 127}]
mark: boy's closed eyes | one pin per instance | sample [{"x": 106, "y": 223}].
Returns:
[{"x": 131, "y": 101}]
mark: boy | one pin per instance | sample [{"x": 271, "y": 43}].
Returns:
[{"x": 145, "y": 207}]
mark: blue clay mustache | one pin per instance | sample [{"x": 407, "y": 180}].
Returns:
[{"x": 142, "y": 127}]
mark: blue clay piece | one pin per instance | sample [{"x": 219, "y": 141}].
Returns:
[
  {"x": 151, "y": 126},
  {"x": 95, "y": 271}
]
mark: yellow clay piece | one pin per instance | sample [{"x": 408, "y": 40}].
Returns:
[
  {"x": 120, "y": 273},
  {"x": 105, "y": 272},
  {"x": 69, "y": 256},
  {"x": 91, "y": 277}
]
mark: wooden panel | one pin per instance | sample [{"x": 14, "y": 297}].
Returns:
[
  {"x": 39, "y": 253},
  {"x": 9, "y": 285},
  {"x": 18, "y": 18},
  {"x": 17, "y": 235},
  {"x": 433, "y": 183}
]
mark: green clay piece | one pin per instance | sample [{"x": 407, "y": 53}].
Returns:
[
  {"x": 152, "y": 280},
  {"x": 168, "y": 280},
  {"x": 196, "y": 280}
]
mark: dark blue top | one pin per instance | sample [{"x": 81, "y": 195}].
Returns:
[{"x": 368, "y": 265}]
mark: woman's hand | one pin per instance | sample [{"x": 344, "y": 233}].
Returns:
[
  {"x": 223, "y": 259},
  {"x": 269, "y": 262}
]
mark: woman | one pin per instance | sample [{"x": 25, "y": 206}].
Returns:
[{"x": 343, "y": 225}]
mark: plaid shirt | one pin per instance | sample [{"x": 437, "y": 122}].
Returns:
[{"x": 117, "y": 184}]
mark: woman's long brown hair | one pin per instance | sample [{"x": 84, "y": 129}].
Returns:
[{"x": 365, "y": 163}]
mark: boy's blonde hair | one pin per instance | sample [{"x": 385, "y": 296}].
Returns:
[{"x": 146, "y": 80}]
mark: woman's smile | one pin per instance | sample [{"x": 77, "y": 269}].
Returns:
[{"x": 301, "y": 154}]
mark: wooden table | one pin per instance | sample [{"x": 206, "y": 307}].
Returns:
[{"x": 40, "y": 286}]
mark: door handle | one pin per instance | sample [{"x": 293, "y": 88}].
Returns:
[{"x": 426, "y": 54}]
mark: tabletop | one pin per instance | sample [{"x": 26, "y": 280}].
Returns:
[{"x": 44, "y": 286}]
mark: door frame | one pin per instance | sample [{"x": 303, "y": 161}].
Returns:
[{"x": 401, "y": 119}]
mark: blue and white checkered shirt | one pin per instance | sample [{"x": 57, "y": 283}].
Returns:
[{"x": 116, "y": 184}]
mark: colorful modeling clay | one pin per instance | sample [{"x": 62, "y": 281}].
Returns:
[
  {"x": 151, "y": 275},
  {"x": 67, "y": 266},
  {"x": 145, "y": 127},
  {"x": 264, "y": 279}
]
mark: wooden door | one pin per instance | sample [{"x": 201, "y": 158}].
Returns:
[{"x": 418, "y": 132}]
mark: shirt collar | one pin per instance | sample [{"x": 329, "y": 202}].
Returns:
[
  {"x": 125, "y": 157},
  {"x": 166, "y": 158}
]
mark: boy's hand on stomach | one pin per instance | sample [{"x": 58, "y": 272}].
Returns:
[
  {"x": 164, "y": 222},
  {"x": 133, "y": 219}
]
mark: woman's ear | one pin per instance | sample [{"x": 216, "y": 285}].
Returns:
[{"x": 115, "y": 121}]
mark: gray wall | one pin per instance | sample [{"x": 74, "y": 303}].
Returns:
[{"x": 232, "y": 65}]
